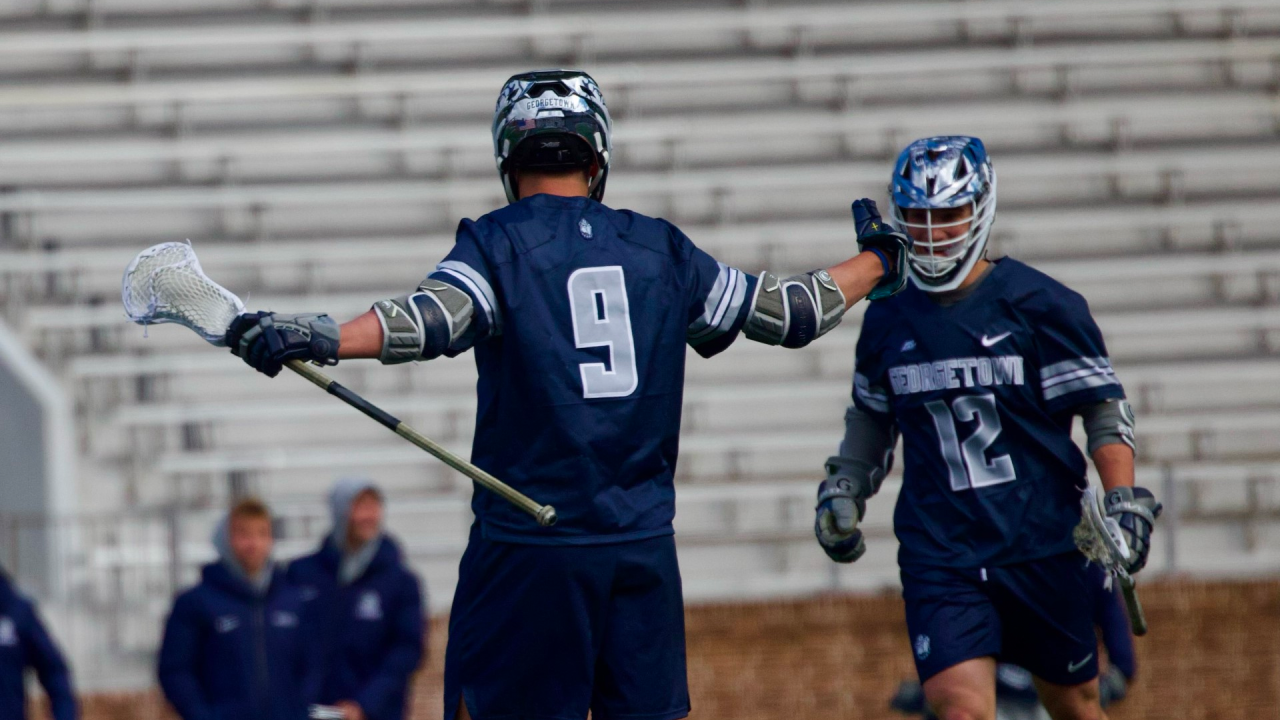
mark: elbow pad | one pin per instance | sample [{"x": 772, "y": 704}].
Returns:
[
  {"x": 795, "y": 311},
  {"x": 423, "y": 324},
  {"x": 1107, "y": 423}
]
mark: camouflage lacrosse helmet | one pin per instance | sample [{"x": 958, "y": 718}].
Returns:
[{"x": 551, "y": 120}]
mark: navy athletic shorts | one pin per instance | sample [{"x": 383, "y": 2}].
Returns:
[
  {"x": 546, "y": 632},
  {"x": 1036, "y": 614}
]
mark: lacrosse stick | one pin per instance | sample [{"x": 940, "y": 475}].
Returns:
[
  {"x": 1101, "y": 540},
  {"x": 165, "y": 284}
]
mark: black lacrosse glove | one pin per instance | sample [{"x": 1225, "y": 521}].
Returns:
[
  {"x": 842, "y": 503},
  {"x": 1135, "y": 509},
  {"x": 892, "y": 247},
  {"x": 267, "y": 340}
]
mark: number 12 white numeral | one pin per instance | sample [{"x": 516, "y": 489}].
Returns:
[
  {"x": 602, "y": 318},
  {"x": 967, "y": 462}
]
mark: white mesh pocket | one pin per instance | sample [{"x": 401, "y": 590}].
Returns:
[{"x": 165, "y": 284}]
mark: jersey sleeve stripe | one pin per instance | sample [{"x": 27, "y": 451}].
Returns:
[
  {"x": 872, "y": 397},
  {"x": 1069, "y": 376},
  {"x": 479, "y": 287},
  {"x": 1084, "y": 383},
  {"x": 722, "y": 306},
  {"x": 713, "y": 302},
  {"x": 1067, "y": 366}
]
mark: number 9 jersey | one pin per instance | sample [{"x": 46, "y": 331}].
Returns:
[
  {"x": 983, "y": 392},
  {"x": 581, "y": 319}
]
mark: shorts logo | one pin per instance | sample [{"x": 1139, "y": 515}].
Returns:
[
  {"x": 226, "y": 624},
  {"x": 369, "y": 606},
  {"x": 922, "y": 647},
  {"x": 908, "y": 345},
  {"x": 1072, "y": 667},
  {"x": 584, "y": 227},
  {"x": 8, "y": 633}
]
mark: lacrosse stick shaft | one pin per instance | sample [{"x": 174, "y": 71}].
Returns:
[
  {"x": 1137, "y": 618},
  {"x": 545, "y": 514}
]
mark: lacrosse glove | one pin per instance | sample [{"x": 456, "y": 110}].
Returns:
[
  {"x": 1135, "y": 509},
  {"x": 842, "y": 503},
  {"x": 266, "y": 340},
  {"x": 892, "y": 247}
]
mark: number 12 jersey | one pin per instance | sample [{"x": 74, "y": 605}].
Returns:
[{"x": 983, "y": 392}]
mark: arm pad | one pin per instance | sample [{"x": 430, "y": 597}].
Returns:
[
  {"x": 795, "y": 311},
  {"x": 1107, "y": 423},
  {"x": 423, "y": 324},
  {"x": 869, "y": 440}
]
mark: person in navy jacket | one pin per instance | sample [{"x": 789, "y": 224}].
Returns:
[
  {"x": 238, "y": 645},
  {"x": 24, "y": 643},
  {"x": 370, "y": 603}
]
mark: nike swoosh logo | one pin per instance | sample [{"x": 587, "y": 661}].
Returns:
[
  {"x": 988, "y": 342},
  {"x": 1072, "y": 667}
]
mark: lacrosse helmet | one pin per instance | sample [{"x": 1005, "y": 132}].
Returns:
[
  {"x": 936, "y": 173},
  {"x": 553, "y": 120}
]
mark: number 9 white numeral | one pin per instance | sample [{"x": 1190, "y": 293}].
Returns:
[{"x": 602, "y": 318}]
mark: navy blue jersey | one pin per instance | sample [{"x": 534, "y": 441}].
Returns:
[
  {"x": 582, "y": 316},
  {"x": 983, "y": 392}
]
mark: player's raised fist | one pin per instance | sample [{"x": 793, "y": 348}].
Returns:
[
  {"x": 266, "y": 340},
  {"x": 875, "y": 235},
  {"x": 1135, "y": 509}
]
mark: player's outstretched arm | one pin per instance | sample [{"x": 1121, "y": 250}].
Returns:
[
  {"x": 419, "y": 326},
  {"x": 361, "y": 338},
  {"x": 795, "y": 311},
  {"x": 858, "y": 276}
]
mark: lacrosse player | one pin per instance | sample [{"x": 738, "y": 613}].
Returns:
[
  {"x": 981, "y": 367},
  {"x": 579, "y": 316}
]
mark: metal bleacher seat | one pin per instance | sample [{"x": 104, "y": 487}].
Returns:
[
  {"x": 463, "y": 149},
  {"x": 693, "y": 28},
  {"x": 707, "y": 195},
  {"x": 326, "y": 263}
]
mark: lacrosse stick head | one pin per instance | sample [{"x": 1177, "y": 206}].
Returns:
[
  {"x": 1099, "y": 537},
  {"x": 165, "y": 284}
]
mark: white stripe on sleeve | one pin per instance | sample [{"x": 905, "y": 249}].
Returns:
[{"x": 480, "y": 287}]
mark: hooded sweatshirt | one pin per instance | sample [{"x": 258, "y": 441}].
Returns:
[
  {"x": 240, "y": 647},
  {"x": 372, "y": 605},
  {"x": 24, "y": 643}
]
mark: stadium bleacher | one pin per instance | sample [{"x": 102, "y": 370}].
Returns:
[{"x": 319, "y": 153}]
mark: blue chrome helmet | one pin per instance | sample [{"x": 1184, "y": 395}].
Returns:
[
  {"x": 553, "y": 120},
  {"x": 934, "y": 173}
]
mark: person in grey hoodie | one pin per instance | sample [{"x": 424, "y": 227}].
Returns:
[
  {"x": 239, "y": 646},
  {"x": 370, "y": 603}
]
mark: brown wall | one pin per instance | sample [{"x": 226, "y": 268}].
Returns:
[{"x": 1213, "y": 653}]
